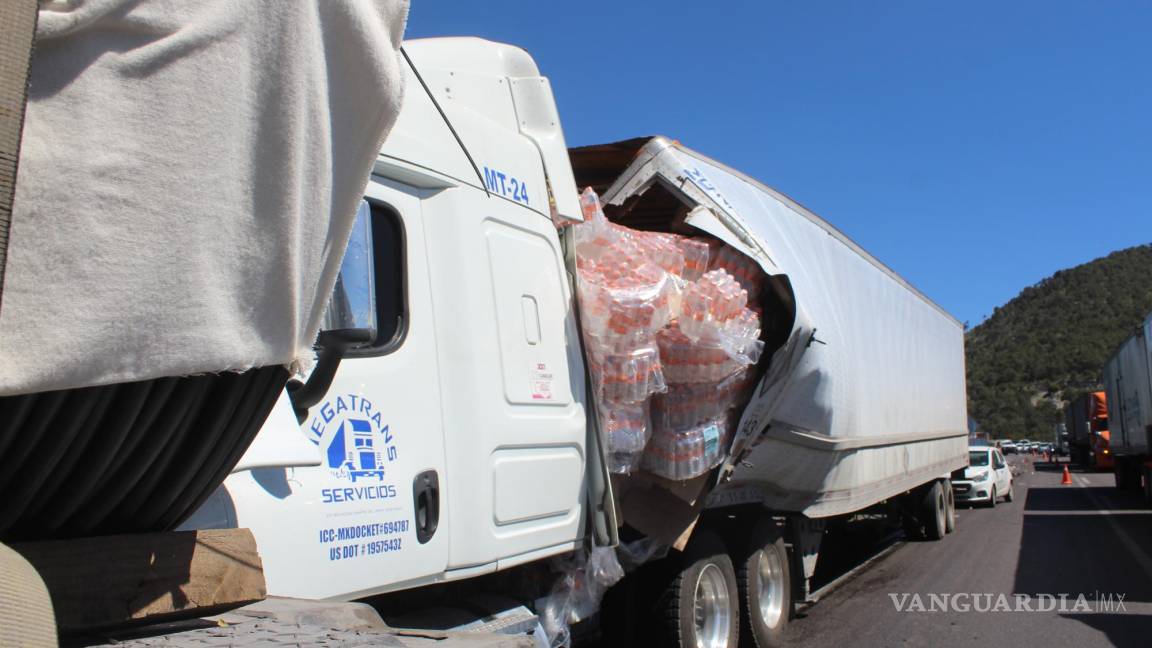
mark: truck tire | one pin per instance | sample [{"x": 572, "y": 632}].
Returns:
[
  {"x": 700, "y": 607},
  {"x": 933, "y": 512},
  {"x": 950, "y": 499},
  {"x": 765, "y": 584}
]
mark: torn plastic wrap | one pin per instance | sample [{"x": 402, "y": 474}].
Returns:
[
  {"x": 628, "y": 427},
  {"x": 640, "y": 552},
  {"x": 624, "y": 302},
  {"x": 576, "y": 595},
  {"x": 582, "y": 583}
]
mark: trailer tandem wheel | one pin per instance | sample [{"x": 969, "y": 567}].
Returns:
[
  {"x": 764, "y": 580},
  {"x": 933, "y": 511},
  {"x": 950, "y": 511},
  {"x": 699, "y": 608}
]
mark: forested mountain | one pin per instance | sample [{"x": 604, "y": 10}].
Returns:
[{"x": 1051, "y": 341}]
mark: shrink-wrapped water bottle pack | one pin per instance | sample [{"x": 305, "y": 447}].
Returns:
[{"x": 671, "y": 330}]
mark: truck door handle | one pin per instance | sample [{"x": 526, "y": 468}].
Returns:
[{"x": 426, "y": 504}]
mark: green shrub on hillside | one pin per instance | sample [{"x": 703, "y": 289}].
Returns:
[{"x": 1050, "y": 342}]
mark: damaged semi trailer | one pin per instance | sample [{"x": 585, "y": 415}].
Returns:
[{"x": 477, "y": 438}]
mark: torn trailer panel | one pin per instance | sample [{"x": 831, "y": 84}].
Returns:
[{"x": 863, "y": 397}]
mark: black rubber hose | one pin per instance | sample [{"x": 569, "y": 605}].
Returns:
[
  {"x": 91, "y": 429},
  {"x": 266, "y": 387},
  {"x": 211, "y": 425},
  {"x": 14, "y": 410},
  {"x": 52, "y": 446},
  {"x": 41, "y": 420},
  {"x": 178, "y": 407},
  {"x": 125, "y": 515},
  {"x": 75, "y": 519},
  {"x": 114, "y": 435}
]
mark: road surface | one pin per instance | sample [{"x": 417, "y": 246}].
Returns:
[{"x": 1084, "y": 540}]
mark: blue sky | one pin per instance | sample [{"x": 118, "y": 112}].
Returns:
[{"x": 976, "y": 147}]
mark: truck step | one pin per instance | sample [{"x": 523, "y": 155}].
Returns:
[{"x": 515, "y": 621}]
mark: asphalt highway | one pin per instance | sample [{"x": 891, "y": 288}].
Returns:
[{"x": 999, "y": 578}]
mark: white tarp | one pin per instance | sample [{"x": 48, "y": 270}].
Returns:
[
  {"x": 188, "y": 180},
  {"x": 867, "y": 398}
]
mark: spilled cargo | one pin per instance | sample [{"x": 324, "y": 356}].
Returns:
[{"x": 670, "y": 335}]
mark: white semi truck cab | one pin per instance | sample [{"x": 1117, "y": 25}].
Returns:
[{"x": 455, "y": 443}]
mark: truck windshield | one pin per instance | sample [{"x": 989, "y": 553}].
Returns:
[{"x": 978, "y": 458}]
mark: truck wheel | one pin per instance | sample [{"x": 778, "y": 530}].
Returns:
[
  {"x": 765, "y": 587},
  {"x": 933, "y": 512},
  {"x": 950, "y": 513},
  {"x": 700, "y": 607}
]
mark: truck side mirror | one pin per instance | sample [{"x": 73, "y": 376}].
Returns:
[{"x": 349, "y": 321}]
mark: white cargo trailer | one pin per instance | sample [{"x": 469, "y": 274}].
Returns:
[
  {"x": 867, "y": 396},
  {"x": 462, "y": 441},
  {"x": 1128, "y": 382}
]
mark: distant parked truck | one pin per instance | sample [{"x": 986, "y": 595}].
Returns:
[
  {"x": 1128, "y": 379},
  {"x": 1086, "y": 419}
]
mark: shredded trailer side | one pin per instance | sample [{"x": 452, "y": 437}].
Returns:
[{"x": 865, "y": 399}]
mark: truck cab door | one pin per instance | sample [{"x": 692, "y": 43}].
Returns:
[
  {"x": 368, "y": 518},
  {"x": 511, "y": 376}
]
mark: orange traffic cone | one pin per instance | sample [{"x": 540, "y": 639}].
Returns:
[{"x": 1066, "y": 480}]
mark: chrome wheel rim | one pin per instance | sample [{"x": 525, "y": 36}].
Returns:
[
  {"x": 770, "y": 596},
  {"x": 712, "y": 614}
]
